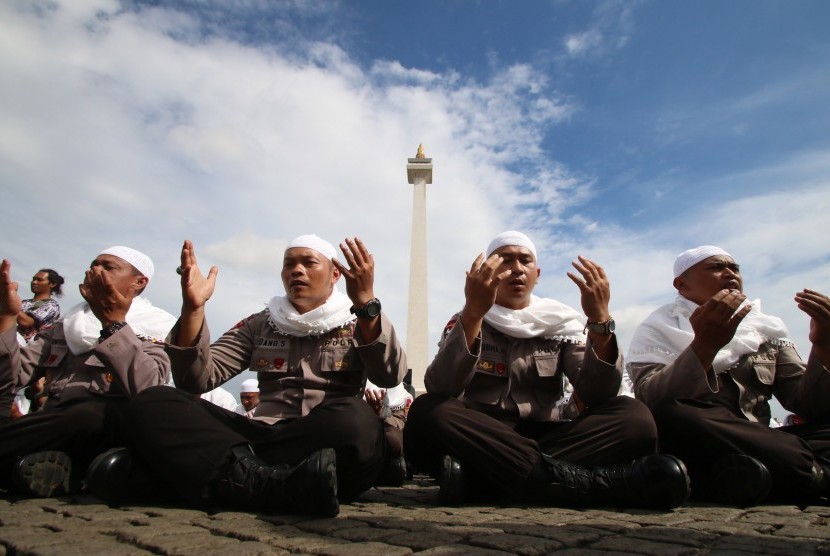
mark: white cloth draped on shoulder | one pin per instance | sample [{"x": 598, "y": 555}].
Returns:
[
  {"x": 544, "y": 317},
  {"x": 328, "y": 316},
  {"x": 82, "y": 328},
  {"x": 667, "y": 332}
]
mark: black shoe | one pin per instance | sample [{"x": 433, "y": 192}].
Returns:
[
  {"x": 656, "y": 481},
  {"x": 451, "y": 482},
  {"x": 735, "y": 480},
  {"x": 43, "y": 474},
  {"x": 310, "y": 486},
  {"x": 394, "y": 473},
  {"x": 116, "y": 478}
]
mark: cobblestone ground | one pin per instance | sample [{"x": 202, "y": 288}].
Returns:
[{"x": 406, "y": 521}]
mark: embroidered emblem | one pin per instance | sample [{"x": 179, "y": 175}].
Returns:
[
  {"x": 500, "y": 368},
  {"x": 449, "y": 327},
  {"x": 146, "y": 338},
  {"x": 279, "y": 362},
  {"x": 261, "y": 363},
  {"x": 485, "y": 365}
]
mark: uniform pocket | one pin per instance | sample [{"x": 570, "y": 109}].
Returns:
[
  {"x": 486, "y": 387},
  {"x": 765, "y": 372},
  {"x": 549, "y": 382}
]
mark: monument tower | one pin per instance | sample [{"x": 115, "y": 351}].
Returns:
[{"x": 419, "y": 174}]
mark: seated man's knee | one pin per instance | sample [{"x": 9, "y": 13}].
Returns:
[
  {"x": 429, "y": 410},
  {"x": 353, "y": 420},
  {"x": 638, "y": 424},
  {"x": 674, "y": 410}
]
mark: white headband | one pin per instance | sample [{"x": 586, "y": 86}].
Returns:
[
  {"x": 139, "y": 260},
  {"x": 310, "y": 241},
  {"x": 511, "y": 238},
  {"x": 689, "y": 258},
  {"x": 250, "y": 385}
]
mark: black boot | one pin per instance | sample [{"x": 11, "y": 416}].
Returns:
[
  {"x": 656, "y": 481},
  {"x": 310, "y": 486},
  {"x": 734, "y": 480},
  {"x": 394, "y": 472},
  {"x": 43, "y": 474},
  {"x": 451, "y": 482},
  {"x": 819, "y": 490},
  {"x": 117, "y": 478}
]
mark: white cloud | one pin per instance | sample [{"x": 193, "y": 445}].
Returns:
[
  {"x": 611, "y": 25},
  {"x": 582, "y": 42}
]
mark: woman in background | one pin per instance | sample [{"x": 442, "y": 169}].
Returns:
[{"x": 40, "y": 312}]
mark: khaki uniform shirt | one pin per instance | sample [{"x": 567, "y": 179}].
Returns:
[
  {"x": 518, "y": 378},
  {"x": 295, "y": 373},
  {"x": 746, "y": 388},
  {"x": 122, "y": 366}
]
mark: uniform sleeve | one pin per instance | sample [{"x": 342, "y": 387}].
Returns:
[
  {"x": 205, "y": 366},
  {"x": 384, "y": 359},
  {"x": 136, "y": 364},
  {"x": 9, "y": 363},
  {"x": 593, "y": 379},
  {"x": 454, "y": 364},
  {"x": 18, "y": 364},
  {"x": 803, "y": 390},
  {"x": 685, "y": 377}
]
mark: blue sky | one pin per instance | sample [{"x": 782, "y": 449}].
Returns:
[{"x": 624, "y": 131}]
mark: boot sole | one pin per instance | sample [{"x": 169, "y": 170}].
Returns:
[{"x": 43, "y": 474}]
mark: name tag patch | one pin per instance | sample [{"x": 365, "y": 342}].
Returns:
[{"x": 273, "y": 343}]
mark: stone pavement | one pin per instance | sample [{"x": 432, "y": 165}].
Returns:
[{"x": 406, "y": 521}]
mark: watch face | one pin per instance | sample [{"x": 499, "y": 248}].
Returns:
[
  {"x": 373, "y": 308},
  {"x": 606, "y": 328}
]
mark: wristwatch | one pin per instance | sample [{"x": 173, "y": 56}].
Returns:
[
  {"x": 111, "y": 329},
  {"x": 606, "y": 327},
  {"x": 368, "y": 311}
]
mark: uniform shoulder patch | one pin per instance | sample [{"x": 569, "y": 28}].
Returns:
[
  {"x": 241, "y": 323},
  {"x": 448, "y": 328}
]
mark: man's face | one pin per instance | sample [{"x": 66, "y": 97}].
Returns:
[
  {"x": 708, "y": 277},
  {"x": 308, "y": 277},
  {"x": 123, "y": 276},
  {"x": 514, "y": 291},
  {"x": 249, "y": 400}
]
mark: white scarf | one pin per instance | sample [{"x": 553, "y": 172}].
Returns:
[
  {"x": 332, "y": 314},
  {"x": 82, "y": 328},
  {"x": 544, "y": 317},
  {"x": 667, "y": 332}
]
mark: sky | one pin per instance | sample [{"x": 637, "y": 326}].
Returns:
[{"x": 626, "y": 132}]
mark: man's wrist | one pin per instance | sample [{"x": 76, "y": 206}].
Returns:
[{"x": 111, "y": 328}]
